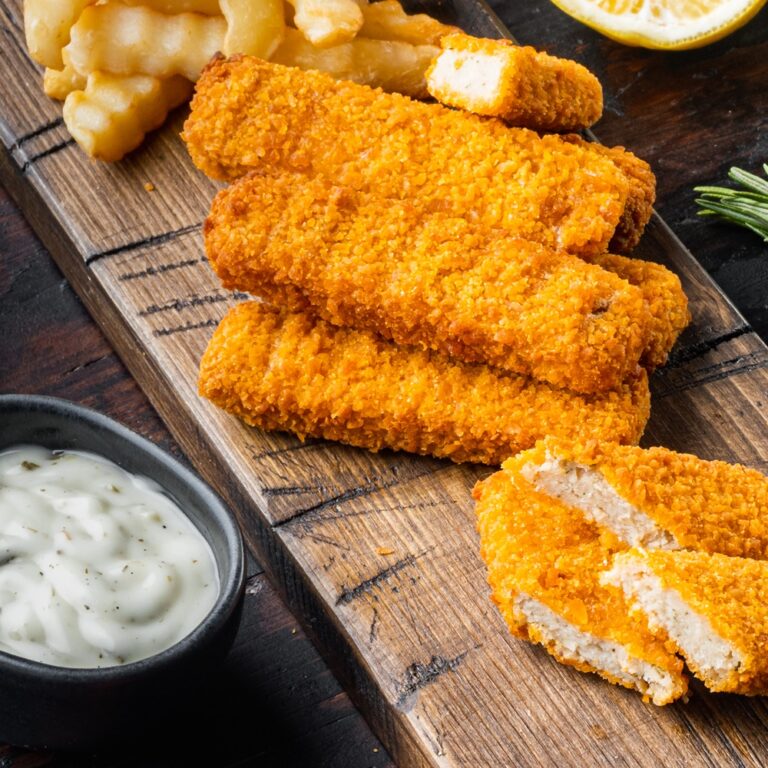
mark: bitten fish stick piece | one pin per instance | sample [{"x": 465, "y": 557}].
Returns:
[
  {"x": 137, "y": 40},
  {"x": 248, "y": 114},
  {"x": 522, "y": 86},
  {"x": 657, "y": 498},
  {"x": 667, "y": 303},
  {"x": 113, "y": 114},
  {"x": 393, "y": 65},
  {"x": 429, "y": 280},
  {"x": 714, "y": 608},
  {"x": 544, "y": 564},
  {"x": 290, "y": 371}
]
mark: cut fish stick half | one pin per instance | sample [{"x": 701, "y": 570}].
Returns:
[
  {"x": 544, "y": 566},
  {"x": 429, "y": 280},
  {"x": 289, "y": 371},
  {"x": 714, "y": 608},
  {"x": 248, "y": 115},
  {"x": 657, "y": 498},
  {"x": 522, "y": 86}
]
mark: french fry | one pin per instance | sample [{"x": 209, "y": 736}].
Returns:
[
  {"x": 127, "y": 40},
  {"x": 59, "y": 83},
  {"x": 255, "y": 27},
  {"x": 327, "y": 22},
  {"x": 46, "y": 27},
  {"x": 113, "y": 114},
  {"x": 386, "y": 20},
  {"x": 389, "y": 64},
  {"x": 172, "y": 7}
]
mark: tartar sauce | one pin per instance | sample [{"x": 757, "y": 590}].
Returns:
[{"x": 97, "y": 566}]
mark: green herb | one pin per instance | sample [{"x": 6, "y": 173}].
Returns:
[
  {"x": 30, "y": 465},
  {"x": 747, "y": 207}
]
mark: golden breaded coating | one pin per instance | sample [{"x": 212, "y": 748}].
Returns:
[
  {"x": 667, "y": 303},
  {"x": 642, "y": 193},
  {"x": 522, "y": 86},
  {"x": 544, "y": 565},
  {"x": 714, "y": 608},
  {"x": 293, "y": 372},
  {"x": 695, "y": 504},
  {"x": 429, "y": 280},
  {"x": 248, "y": 114}
]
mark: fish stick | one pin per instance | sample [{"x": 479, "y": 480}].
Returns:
[
  {"x": 714, "y": 608},
  {"x": 248, "y": 114},
  {"x": 544, "y": 565},
  {"x": 522, "y": 86},
  {"x": 429, "y": 280},
  {"x": 664, "y": 296},
  {"x": 656, "y": 498},
  {"x": 290, "y": 371}
]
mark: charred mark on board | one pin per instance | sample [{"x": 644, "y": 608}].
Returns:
[
  {"x": 177, "y": 305},
  {"x": 419, "y": 675},
  {"x": 347, "y": 595},
  {"x": 666, "y": 383},
  {"x": 63, "y": 144},
  {"x": 49, "y": 126},
  {"x": 272, "y": 453},
  {"x": 679, "y": 357},
  {"x": 184, "y": 328},
  {"x": 151, "y": 240},
  {"x": 152, "y": 271},
  {"x": 371, "y": 486}
]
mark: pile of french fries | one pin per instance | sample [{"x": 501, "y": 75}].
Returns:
[{"x": 121, "y": 67}]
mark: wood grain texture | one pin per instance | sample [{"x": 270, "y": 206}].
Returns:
[
  {"x": 273, "y": 703},
  {"x": 412, "y": 634}
]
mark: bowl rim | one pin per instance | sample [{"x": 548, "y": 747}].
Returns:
[{"x": 230, "y": 588}]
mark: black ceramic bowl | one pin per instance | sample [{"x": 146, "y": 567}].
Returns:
[{"x": 61, "y": 708}]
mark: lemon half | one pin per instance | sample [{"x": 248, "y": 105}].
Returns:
[{"x": 668, "y": 24}]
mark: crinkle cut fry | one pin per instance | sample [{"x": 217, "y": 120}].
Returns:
[
  {"x": 429, "y": 280},
  {"x": 290, "y": 371},
  {"x": 544, "y": 565},
  {"x": 711, "y": 506},
  {"x": 248, "y": 114},
  {"x": 523, "y": 86}
]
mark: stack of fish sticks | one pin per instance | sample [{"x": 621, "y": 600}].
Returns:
[
  {"x": 626, "y": 561},
  {"x": 429, "y": 279}
]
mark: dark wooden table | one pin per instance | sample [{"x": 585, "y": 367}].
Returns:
[{"x": 692, "y": 115}]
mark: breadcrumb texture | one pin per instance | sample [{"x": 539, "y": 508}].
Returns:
[
  {"x": 429, "y": 280},
  {"x": 524, "y": 87},
  {"x": 732, "y": 594},
  {"x": 537, "y": 546},
  {"x": 664, "y": 296},
  {"x": 711, "y": 506},
  {"x": 279, "y": 370},
  {"x": 249, "y": 114}
]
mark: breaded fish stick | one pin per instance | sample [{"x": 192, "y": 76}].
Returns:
[
  {"x": 429, "y": 280},
  {"x": 657, "y": 498},
  {"x": 522, "y": 86},
  {"x": 714, "y": 609},
  {"x": 290, "y": 371},
  {"x": 664, "y": 296},
  {"x": 544, "y": 565},
  {"x": 248, "y": 114}
]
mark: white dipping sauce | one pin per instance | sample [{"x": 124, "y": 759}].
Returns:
[{"x": 97, "y": 566}]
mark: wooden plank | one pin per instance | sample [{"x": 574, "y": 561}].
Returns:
[{"x": 412, "y": 635}]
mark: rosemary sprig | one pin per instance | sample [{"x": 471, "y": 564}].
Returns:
[{"x": 747, "y": 207}]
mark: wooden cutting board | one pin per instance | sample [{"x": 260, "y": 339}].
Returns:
[{"x": 411, "y": 634}]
